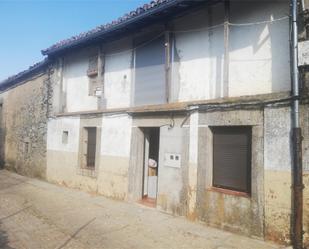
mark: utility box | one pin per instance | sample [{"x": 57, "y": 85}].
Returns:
[{"x": 172, "y": 160}]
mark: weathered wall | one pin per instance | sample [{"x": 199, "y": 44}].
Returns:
[
  {"x": 110, "y": 175},
  {"x": 262, "y": 50},
  {"x": 277, "y": 165},
  {"x": 306, "y": 207},
  {"x": 193, "y": 164},
  {"x": 197, "y": 71},
  {"x": 172, "y": 181},
  {"x": 73, "y": 81},
  {"x": 198, "y": 66},
  {"x": 267, "y": 212},
  {"x": 115, "y": 156},
  {"x": 76, "y": 82},
  {"x": 259, "y": 64},
  {"x": 62, "y": 159},
  {"x": 187, "y": 190},
  {"x": 25, "y": 127},
  {"x": 117, "y": 79},
  {"x": 243, "y": 214},
  {"x": 305, "y": 133}
]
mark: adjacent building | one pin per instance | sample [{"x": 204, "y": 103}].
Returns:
[{"x": 181, "y": 105}]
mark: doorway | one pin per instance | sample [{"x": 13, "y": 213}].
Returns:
[{"x": 151, "y": 165}]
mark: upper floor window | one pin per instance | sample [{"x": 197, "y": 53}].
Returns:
[
  {"x": 93, "y": 66},
  {"x": 95, "y": 70},
  {"x": 150, "y": 82}
]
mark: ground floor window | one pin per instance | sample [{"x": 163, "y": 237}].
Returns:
[
  {"x": 232, "y": 158},
  {"x": 90, "y": 147}
]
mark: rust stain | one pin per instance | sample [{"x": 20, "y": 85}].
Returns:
[
  {"x": 193, "y": 216},
  {"x": 220, "y": 208},
  {"x": 277, "y": 237}
]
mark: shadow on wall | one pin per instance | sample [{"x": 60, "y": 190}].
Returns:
[
  {"x": 4, "y": 240},
  {"x": 269, "y": 42},
  {"x": 258, "y": 51}
]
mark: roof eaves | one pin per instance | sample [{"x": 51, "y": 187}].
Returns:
[
  {"x": 114, "y": 25},
  {"x": 15, "y": 79}
]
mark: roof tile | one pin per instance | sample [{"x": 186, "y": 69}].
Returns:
[{"x": 125, "y": 17}]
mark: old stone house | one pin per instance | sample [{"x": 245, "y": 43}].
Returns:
[{"x": 203, "y": 88}]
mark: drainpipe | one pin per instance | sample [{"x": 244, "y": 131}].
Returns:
[{"x": 297, "y": 180}]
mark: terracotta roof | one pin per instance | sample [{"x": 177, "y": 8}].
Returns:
[
  {"x": 17, "y": 78},
  {"x": 142, "y": 11}
]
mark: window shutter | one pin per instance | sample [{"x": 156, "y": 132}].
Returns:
[
  {"x": 91, "y": 146},
  {"x": 150, "y": 73},
  {"x": 232, "y": 158},
  {"x": 93, "y": 66}
]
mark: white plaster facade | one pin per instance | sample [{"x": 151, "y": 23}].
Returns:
[
  {"x": 118, "y": 79},
  {"x": 75, "y": 83},
  {"x": 259, "y": 61}
]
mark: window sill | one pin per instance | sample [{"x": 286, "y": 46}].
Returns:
[
  {"x": 88, "y": 168},
  {"x": 229, "y": 192},
  {"x": 92, "y": 73},
  {"x": 90, "y": 172}
]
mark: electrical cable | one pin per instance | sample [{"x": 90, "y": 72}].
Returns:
[
  {"x": 205, "y": 107},
  {"x": 197, "y": 30}
]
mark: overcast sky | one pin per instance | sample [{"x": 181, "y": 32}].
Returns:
[{"x": 27, "y": 26}]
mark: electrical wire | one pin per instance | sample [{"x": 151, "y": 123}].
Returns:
[
  {"x": 139, "y": 46},
  {"x": 205, "y": 107},
  {"x": 196, "y": 30},
  {"x": 259, "y": 23}
]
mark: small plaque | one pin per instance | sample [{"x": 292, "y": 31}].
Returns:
[{"x": 98, "y": 92}]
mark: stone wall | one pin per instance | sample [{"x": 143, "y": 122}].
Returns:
[{"x": 24, "y": 126}]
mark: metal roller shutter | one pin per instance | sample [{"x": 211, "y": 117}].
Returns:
[
  {"x": 232, "y": 158},
  {"x": 150, "y": 73}
]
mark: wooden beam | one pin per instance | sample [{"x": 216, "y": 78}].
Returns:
[
  {"x": 167, "y": 62},
  {"x": 226, "y": 69}
]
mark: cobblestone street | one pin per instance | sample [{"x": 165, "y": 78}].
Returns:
[{"x": 35, "y": 214}]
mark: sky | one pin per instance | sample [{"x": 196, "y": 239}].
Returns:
[{"x": 28, "y": 26}]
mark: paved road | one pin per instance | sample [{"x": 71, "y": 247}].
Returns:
[{"x": 35, "y": 214}]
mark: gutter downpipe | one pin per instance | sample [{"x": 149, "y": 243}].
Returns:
[{"x": 297, "y": 174}]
